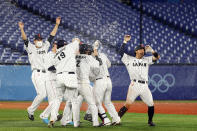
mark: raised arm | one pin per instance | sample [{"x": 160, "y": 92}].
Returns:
[
  {"x": 156, "y": 56},
  {"x": 149, "y": 49},
  {"x": 24, "y": 37},
  {"x": 108, "y": 62},
  {"x": 75, "y": 45},
  {"x": 54, "y": 31},
  {"x": 122, "y": 48},
  {"x": 21, "y": 26},
  {"x": 95, "y": 53}
]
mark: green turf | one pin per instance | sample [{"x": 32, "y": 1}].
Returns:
[{"x": 16, "y": 120}]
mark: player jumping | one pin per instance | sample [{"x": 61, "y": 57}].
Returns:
[
  {"x": 138, "y": 67},
  {"x": 36, "y": 53}
]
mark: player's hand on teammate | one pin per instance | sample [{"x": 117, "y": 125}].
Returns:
[
  {"x": 58, "y": 20},
  {"x": 127, "y": 38},
  {"x": 21, "y": 25}
]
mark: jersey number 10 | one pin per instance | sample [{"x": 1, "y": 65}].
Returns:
[{"x": 62, "y": 55}]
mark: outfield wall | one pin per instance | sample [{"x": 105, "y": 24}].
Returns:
[{"x": 166, "y": 82}]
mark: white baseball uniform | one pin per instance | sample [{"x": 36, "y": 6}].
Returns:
[
  {"x": 103, "y": 89},
  {"x": 36, "y": 58},
  {"x": 86, "y": 67},
  {"x": 65, "y": 65},
  {"x": 54, "y": 95},
  {"x": 138, "y": 72}
]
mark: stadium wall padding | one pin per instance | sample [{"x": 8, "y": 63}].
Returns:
[{"x": 176, "y": 82}]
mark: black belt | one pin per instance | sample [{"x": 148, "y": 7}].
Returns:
[
  {"x": 38, "y": 70},
  {"x": 68, "y": 72},
  {"x": 140, "y": 81},
  {"x": 100, "y": 78}
]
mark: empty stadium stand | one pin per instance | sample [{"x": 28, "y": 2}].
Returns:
[{"x": 169, "y": 27}]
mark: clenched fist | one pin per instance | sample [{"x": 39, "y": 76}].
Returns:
[
  {"x": 148, "y": 48},
  {"x": 127, "y": 38},
  {"x": 21, "y": 25},
  {"x": 96, "y": 44}
]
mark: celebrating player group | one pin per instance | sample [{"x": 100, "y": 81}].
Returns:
[{"x": 65, "y": 73}]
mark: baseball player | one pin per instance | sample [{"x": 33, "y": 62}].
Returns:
[
  {"x": 103, "y": 89},
  {"x": 36, "y": 53},
  {"x": 138, "y": 67},
  {"x": 54, "y": 94},
  {"x": 65, "y": 65},
  {"x": 87, "y": 66}
]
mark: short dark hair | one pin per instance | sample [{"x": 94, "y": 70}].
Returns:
[{"x": 60, "y": 43}]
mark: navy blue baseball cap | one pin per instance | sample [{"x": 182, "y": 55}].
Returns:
[
  {"x": 83, "y": 48},
  {"x": 141, "y": 46},
  {"x": 60, "y": 43},
  {"x": 38, "y": 37}
]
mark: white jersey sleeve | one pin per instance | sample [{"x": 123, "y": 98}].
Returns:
[
  {"x": 149, "y": 60},
  {"x": 29, "y": 48},
  {"x": 108, "y": 62},
  {"x": 47, "y": 44},
  {"x": 126, "y": 59},
  {"x": 94, "y": 65},
  {"x": 74, "y": 45}
]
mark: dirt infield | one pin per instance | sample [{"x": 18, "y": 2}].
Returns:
[{"x": 137, "y": 107}]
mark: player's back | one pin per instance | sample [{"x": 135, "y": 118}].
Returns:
[
  {"x": 104, "y": 67},
  {"x": 65, "y": 58},
  {"x": 86, "y": 67}
]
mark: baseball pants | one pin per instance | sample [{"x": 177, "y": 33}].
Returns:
[
  {"x": 102, "y": 90},
  {"x": 86, "y": 92},
  {"x": 38, "y": 79},
  {"x": 138, "y": 89},
  {"x": 54, "y": 101},
  {"x": 69, "y": 84}
]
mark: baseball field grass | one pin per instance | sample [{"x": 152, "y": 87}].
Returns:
[{"x": 16, "y": 120}]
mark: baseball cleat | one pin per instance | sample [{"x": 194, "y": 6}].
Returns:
[
  {"x": 63, "y": 125},
  {"x": 100, "y": 125},
  {"x": 59, "y": 117},
  {"x": 88, "y": 117},
  {"x": 46, "y": 121},
  {"x": 150, "y": 123},
  {"x": 70, "y": 123},
  {"x": 107, "y": 122},
  {"x": 115, "y": 123},
  {"x": 51, "y": 124},
  {"x": 31, "y": 117},
  {"x": 77, "y": 126}
]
